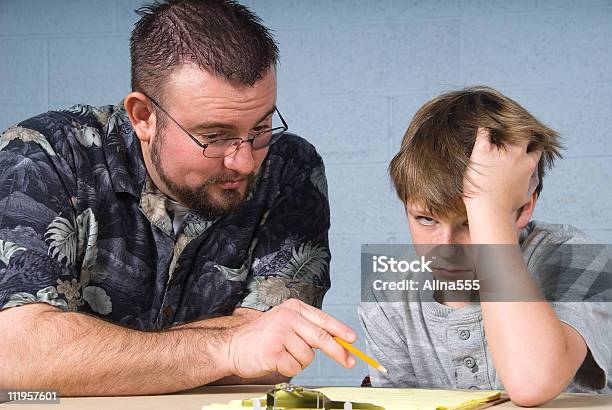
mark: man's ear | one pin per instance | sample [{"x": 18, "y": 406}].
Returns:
[
  {"x": 141, "y": 115},
  {"x": 526, "y": 211}
]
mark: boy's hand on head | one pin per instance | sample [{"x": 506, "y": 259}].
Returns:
[{"x": 498, "y": 177}]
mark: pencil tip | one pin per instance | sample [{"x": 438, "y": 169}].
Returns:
[{"x": 382, "y": 369}]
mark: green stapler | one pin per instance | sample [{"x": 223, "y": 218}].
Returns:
[{"x": 286, "y": 396}]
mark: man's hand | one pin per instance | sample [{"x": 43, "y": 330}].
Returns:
[
  {"x": 282, "y": 340},
  {"x": 498, "y": 177}
]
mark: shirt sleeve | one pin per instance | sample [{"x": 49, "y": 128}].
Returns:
[
  {"x": 576, "y": 277},
  {"x": 593, "y": 321},
  {"x": 385, "y": 345},
  {"x": 291, "y": 258},
  {"x": 37, "y": 234}
]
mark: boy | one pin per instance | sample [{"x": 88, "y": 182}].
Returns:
[{"x": 470, "y": 171}]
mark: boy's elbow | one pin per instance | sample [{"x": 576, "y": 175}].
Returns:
[
  {"x": 528, "y": 398},
  {"x": 529, "y": 392}
]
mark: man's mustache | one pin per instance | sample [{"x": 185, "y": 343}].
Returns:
[{"x": 229, "y": 177}]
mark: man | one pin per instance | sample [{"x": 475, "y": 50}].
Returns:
[
  {"x": 469, "y": 171},
  {"x": 172, "y": 241}
]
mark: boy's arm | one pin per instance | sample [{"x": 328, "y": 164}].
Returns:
[{"x": 535, "y": 354}]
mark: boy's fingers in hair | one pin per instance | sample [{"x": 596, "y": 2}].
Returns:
[
  {"x": 482, "y": 143},
  {"x": 483, "y": 137}
]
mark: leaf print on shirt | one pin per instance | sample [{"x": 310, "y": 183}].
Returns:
[
  {"x": 297, "y": 278},
  {"x": 96, "y": 273},
  {"x": 308, "y": 262},
  {"x": 87, "y": 136},
  {"x": 47, "y": 295},
  {"x": 7, "y": 249},
  {"x": 235, "y": 274},
  {"x": 87, "y": 236},
  {"x": 70, "y": 289},
  {"x": 68, "y": 242},
  {"x": 317, "y": 177},
  {"x": 101, "y": 114},
  {"x": 25, "y": 135},
  {"x": 98, "y": 300},
  {"x": 27, "y": 173},
  {"x": 239, "y": 274},
  {"x": 63, "y": 244},
  {"x": 196, "y": 229},
  {"x": 275, "y": 290}
]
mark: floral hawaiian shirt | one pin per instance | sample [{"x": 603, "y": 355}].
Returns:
[{"x": 83, "y": 228}]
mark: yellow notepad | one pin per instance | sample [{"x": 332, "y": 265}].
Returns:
[
  {"x": 408, "y": 399},
  {"x": 396, "y": 399}
]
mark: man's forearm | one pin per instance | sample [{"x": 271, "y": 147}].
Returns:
[
  {"x": 238, "y": 317},
  {"x": 41, "y": 347},
  {"x": 273, "y": 378},
  {"x": 78, "y": 354}
]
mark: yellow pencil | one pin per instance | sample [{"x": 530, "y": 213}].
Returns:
[{"x": 361, "y": 355}]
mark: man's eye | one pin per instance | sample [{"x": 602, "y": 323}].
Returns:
[
  {"x": 425, "y": 220},
  {"x": 259, "y": 130},
  {"x": 210, "y": 138}
]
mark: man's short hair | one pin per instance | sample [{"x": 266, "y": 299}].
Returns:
[
  {"x": 222, "y": 37},
  {"x": 428, "y": 170}
]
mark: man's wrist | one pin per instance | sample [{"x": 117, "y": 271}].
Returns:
[
  {"x": 209, "y": 353},
  {"x": 227, "y": 354}
]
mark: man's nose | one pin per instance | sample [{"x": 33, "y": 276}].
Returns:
[{"x": 242, "y": 160}]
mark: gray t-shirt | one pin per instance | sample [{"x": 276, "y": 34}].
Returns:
[{"x": 428, "y": 344}]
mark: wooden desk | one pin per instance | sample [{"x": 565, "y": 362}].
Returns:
[{"x": 196, "y": 398}]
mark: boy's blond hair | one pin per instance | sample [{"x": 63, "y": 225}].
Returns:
[{"x": 428, "y": 170}]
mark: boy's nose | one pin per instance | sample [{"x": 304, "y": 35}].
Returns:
[{"x": 446, "y": 237}]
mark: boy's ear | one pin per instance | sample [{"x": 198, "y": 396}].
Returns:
[{"x": 526, "y": 211}]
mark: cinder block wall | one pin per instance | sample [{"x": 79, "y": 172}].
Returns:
[{"x": 352, "y": 74}]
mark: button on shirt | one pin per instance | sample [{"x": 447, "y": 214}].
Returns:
[
  {"x": 464, "y": 334},
  {"x": 83, "y": 228}
]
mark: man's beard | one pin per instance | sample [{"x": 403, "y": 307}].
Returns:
[{"x": 200, "y": 199}]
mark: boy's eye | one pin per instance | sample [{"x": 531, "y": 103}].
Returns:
[{"x": 425, "y": 220}]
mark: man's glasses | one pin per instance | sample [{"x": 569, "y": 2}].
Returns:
[{"x": 221, "y": 145}]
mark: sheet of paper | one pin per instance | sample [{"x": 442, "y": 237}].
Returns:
[
  {"x": 233, "y": 405},
  {"x": 395, "y": 399},
  {"x": 411, "y": 399}
]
